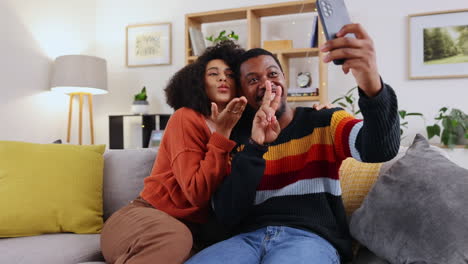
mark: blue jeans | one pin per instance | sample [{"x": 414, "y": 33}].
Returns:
[{"x": 270, "y": 245}]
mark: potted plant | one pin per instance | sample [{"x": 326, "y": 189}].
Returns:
[
  {"x": 349, "y": 102},
  {"x": 454, "y": 129},
  {"x": 222, "y": 36},
  {"x": 140, "y": 104}
]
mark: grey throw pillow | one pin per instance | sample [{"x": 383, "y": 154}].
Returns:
[
  {"x": 124, "y": 172},
  {"x": 417, "y": 211}
]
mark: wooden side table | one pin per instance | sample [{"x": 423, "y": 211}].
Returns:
[{"x": 149, "y": 123}]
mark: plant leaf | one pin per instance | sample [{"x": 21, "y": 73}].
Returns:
[
  {"x": 414, "y": 114},
  {"x": 402, "y": 113},
  {"x": 349, "y": 100},
  {"x": 337, "y": 99},
  {"x": 342, "y": 104},
  {"x": 221, "y": 34},
  {"x": 433, "y": 130},
  {"x": 445, "y": 137}
]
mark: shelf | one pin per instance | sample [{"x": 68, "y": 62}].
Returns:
[
  {"x": 253, "y": 15},
  {"x": 192, "y": 58},
  {"x": 218, "y": 16},
  {"x": 303, "y": 98},
  {"x": 284, "y": 8},
  {"x": 453, "y": 147},
  {"x": 260, "y": 11},
  {"x": 149, "y": 122},
  {"x": 298, "y": 53}
]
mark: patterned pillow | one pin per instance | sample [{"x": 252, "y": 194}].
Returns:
[{"x": 356, "y": 179}]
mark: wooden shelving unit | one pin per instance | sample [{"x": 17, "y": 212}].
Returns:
[{"x": 253, "y": 14}]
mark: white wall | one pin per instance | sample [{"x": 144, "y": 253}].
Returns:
[
  {"x": 98, "y": 28},
  {"x": 386, "y": 21},
  {"x": 112, "y": 18},
  {"x": 33, "y": 34}
]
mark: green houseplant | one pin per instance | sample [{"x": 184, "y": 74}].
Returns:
[
  {"x": 222, "y": 36},
  {"x": 454, "y": 130},
  {"x": 140, "y": 104},
  {"x": 349, "y": 102}
]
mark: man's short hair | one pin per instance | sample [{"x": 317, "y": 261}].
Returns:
[{"x": 253, "y": 53}]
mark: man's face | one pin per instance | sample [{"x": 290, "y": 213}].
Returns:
[{"x": 253, "y": 74}]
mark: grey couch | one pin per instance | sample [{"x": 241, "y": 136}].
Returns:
[{"x": 124, "y": 171}]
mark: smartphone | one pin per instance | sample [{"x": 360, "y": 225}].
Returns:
[{"x": 333, "y": 15}]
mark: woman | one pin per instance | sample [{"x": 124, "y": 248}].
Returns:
[{"x": 161, "y": 225}]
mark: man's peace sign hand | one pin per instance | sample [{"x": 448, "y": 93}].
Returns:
[{"x": 265, "y": 128}]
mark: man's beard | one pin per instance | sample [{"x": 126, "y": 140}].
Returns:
[{"x": 281, "y": 110}]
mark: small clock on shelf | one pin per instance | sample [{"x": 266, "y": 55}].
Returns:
[{"x": 303, "y": 79}]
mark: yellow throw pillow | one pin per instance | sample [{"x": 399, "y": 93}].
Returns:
[
  {"x": 356, "y": 180},
  {"x": 50, "y": 188}
]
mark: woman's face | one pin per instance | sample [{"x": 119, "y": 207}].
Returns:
[{"x": 219, "y": 82}]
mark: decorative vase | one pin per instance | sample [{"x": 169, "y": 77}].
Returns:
[{"x": 140, "y": 107}]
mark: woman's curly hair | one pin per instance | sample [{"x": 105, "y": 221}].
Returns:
[{"x": 187, "y": 87}]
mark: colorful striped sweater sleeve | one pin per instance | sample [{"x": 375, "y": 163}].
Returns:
[{"x": 376, "y": 139}]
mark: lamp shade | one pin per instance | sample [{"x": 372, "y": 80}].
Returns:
[{"x": 79, "y": 74}]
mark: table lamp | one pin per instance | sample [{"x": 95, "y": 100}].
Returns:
[{"x": 80, "y": 75}]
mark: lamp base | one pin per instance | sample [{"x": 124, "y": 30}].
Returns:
[{"x": 80, "y": 116}]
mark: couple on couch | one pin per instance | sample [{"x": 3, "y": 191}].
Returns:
[{"x": 266, "y": 171}]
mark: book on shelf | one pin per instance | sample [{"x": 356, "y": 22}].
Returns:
[
  {"x": 314, "y": 33},
  {"x": 303, "y": 92},
  {"x": 197, "y": 41}
]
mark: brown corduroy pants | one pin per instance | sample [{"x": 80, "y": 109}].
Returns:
[{"x": 140, "y": 234}]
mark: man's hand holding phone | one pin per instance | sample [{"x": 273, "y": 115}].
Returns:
[{"x": 359, "y": 56}]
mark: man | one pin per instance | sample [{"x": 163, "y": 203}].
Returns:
[{"x": 283, "y": 195}]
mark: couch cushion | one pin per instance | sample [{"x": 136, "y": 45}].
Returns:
[
  {"x": 365, "y": 256},
  {"x": 356, "y": 179},
  {"x": 51, "y": 249},
  {"x": 50, "y": 188},
  {"x": 416, "y": 212},
  {"x": 124, "y": 171}
]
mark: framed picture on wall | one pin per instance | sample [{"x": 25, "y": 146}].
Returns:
[
  {"x": 155, "y": 139},
  {"x": 148, "y": 45},
  {"x": 438, "y": 45}
]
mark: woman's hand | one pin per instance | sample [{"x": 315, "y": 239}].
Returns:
[
  {"x": 322, "y": 106},
  {"x": 225, "y": 120}
]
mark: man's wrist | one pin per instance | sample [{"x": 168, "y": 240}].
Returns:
[
  {"x": 373, "y": 87},
  {"x": 258, "y": 145}
]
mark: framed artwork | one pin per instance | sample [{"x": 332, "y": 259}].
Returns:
[
  {"x": 148, "y": 45},
  {"x": 438, "y": 45},
  {"x": 155, "y": 138}
]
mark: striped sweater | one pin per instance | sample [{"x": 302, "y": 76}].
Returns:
[{"x": 294, "y": 182}]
